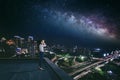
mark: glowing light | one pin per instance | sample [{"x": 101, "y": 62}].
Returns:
[
  {"x": 98, "y": 49},
  {"x": 107, "y": 54},
  {"x": 82, "y": 57},
  {"x": 110, "y": 72},
  {"x": 99, "y": 70},
  {"x": 104, "y": 55}
]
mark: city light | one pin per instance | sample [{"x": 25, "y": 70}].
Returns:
[
  {"x": 104, "y": 55},
  {"x": 109, "y": 72},
  {"x": 99, "y": 70}
]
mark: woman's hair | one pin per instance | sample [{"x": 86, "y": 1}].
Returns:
[{"x": 43, "y": 41}]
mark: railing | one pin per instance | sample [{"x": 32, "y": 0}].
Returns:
[{"x": 59, "y": 72}]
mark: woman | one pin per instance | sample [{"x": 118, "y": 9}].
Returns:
[{"x": 41, "y": 53}]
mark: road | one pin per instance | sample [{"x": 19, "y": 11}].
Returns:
[{"x": 87, "y": 68}]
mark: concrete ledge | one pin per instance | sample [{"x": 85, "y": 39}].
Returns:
[{"x": 59, "y": 72}]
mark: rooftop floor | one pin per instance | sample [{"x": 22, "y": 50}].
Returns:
[{"x": 27, "y": 70}]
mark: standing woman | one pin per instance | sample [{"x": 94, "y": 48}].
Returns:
[{"x": 41, "y": 53}]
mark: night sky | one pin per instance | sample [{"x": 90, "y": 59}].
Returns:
[{"x": 90, "y": 23}]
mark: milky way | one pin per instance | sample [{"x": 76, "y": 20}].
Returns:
[{"x": 92, "y": 25}]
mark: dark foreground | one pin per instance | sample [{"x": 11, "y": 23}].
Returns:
[{"x": 28, "y": 70}]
